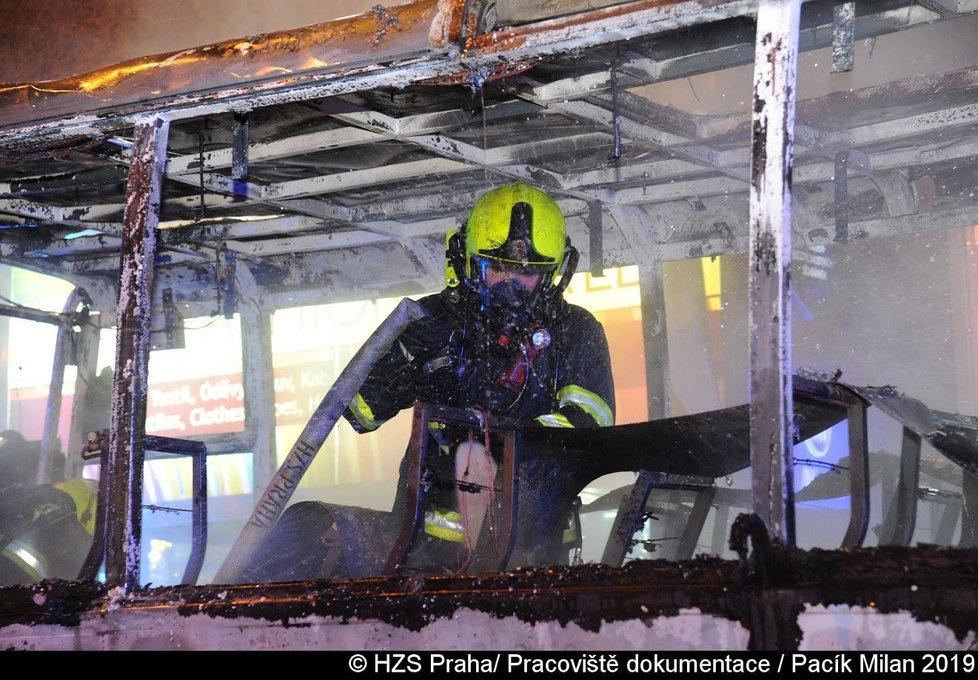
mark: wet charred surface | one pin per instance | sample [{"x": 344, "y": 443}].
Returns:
[
  {"x": 50, "y": 602},
  {"x": 934, "y": 584},
  {"x": 586, "y": 595}
]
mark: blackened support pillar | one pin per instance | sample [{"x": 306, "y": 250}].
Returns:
[{"x": 126, "y": 440}]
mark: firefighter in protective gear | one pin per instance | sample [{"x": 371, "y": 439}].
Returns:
[
  {"x": 499, "y": 338},
  {"x": 45, "y": 529}
]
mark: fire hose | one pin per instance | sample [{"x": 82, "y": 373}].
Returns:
[{"x": 331, "y": 408}]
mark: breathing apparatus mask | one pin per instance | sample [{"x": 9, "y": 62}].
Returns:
[
  {"x": 510, "y": 264},
  {"x": 512, "y": 258},
  {"x": 509, "y": 293}
]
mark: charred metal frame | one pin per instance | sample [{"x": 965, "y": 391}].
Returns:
[
  {"x": 900, "y": 518},
  {"x": 772, "y": 134},
  {"x": 198, "y": 527},
  {"x": 832, "y": 396},
  {"x": 127, "y": 435},
  {"x": 770, "y": 236},
  {"x": 71, "y": 347},
  {"x": 259, "y": 388},
  {"x": 424, "y": 414},
  {"x": 969, "y": 513},
  {"x": 630, "y": 516},
  {"x": 197, "y": 451},
  {"x": 821, "y": 396},
  {"x": 899, "y": 523},
  {"x": 775, "y": 59},
  {"x": 30, "y": 314},
  {"x": 52, "y": 415},
  {"x": 843, "y": 29}
]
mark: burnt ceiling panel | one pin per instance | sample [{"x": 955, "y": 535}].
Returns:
[{"x": 380, "y": 161}]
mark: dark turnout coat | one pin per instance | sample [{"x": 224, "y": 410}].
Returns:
[
  {"x": 444, "y": 359},
  {"x": 551, "y": 373}
]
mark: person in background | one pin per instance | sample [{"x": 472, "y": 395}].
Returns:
[{"x": 45, "y": 529}]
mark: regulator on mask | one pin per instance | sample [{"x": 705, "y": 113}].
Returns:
[{"x": 511, "y": 263}]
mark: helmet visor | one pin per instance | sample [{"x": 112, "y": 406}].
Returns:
[{"x": 493, "y": 271}]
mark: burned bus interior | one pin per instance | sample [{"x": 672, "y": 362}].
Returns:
[{"x": 196, "y": 247}]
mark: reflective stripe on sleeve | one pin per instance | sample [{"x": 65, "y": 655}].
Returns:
[
  {"x": 364, "y": 414},
  {"x": 589, "y": 402},
  {"x": 444, "y": 524},
  {"x": 554, "y": 420}
]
